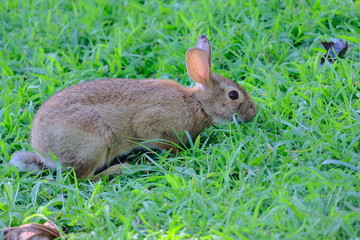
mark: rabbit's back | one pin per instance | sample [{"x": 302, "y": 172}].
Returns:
[{"x": 119, "y": 102}]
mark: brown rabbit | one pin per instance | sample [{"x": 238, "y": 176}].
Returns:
[{"x": 89, "y": 124}]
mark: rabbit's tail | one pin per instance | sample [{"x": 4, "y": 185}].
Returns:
[{"x": 31, "y": 162}]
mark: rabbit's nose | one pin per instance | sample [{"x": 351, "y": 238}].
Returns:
[{"x": 250, "y": 113}]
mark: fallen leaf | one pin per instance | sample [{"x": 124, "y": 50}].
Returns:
[
  {"x": 335, "y": 49},
  {"x": 32, "y": 231}
]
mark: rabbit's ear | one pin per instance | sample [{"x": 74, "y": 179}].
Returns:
[
  {"x": 198, "y": 66},
  {"x": 203, "y": 43}
]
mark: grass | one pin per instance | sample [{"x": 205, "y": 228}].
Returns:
[{"x": 292, "y": 173}]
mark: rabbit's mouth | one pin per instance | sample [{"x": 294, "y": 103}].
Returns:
[
  {"x": 247, "y": 112},
  {"x": 237, "y": 118},
  {"x": 247, "y": 117}
]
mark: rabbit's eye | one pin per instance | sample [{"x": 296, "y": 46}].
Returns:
[{"x": 233, "y": 95}]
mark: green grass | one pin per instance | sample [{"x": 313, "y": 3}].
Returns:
[{"x": 292, "y": 173}]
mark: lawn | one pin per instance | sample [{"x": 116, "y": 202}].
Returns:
[{"x": 291, "y": 173}]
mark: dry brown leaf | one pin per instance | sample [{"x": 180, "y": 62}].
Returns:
[{"x": 32, "y": 231}]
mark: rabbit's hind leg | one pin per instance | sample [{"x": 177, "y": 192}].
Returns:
[{"x": 111, "y": 171}]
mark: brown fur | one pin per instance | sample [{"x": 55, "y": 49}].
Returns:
[{"x": 87, "y": 125}]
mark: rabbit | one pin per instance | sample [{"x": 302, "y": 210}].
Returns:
[{"x": 89, "y": 124}]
